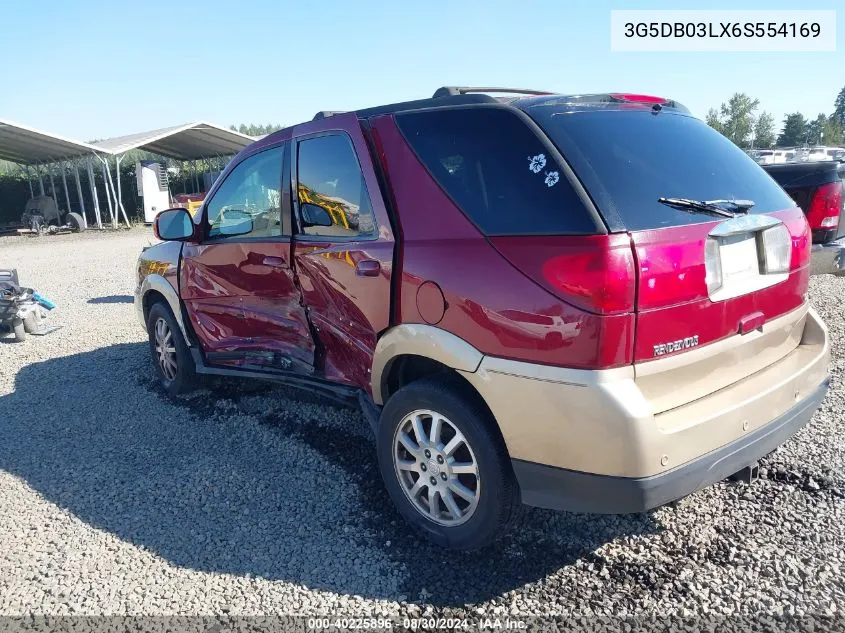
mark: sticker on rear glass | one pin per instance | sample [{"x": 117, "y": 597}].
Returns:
[
  {"x": 536, "y": 163},
  {"x": 551, "y": 178}
]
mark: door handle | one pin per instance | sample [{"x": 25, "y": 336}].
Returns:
[
  {"x": 270, "y": 260},
  {"x": 368, "y": 268}
]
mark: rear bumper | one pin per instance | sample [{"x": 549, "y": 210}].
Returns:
[
  {"x": 630, "y": 438},
  {"x": 561, "y": 489},
  {"x": 828, "y": 258}
]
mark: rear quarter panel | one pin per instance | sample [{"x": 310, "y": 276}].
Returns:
[{"x": 487, "y": 301}]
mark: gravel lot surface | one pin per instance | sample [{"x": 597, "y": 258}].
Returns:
[{"x": 249, "y": 499}]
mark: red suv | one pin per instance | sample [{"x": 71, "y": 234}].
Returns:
[{"x": 593, "y": 303}]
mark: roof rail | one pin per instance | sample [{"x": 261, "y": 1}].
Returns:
[
  {"x": 325, "y": 114},
  {"x": 451, "y": 91}
]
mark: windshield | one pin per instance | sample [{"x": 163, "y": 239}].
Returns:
[{"x": 629, "y": 159}]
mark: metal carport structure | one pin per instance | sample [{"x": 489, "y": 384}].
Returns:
[
  {"x": 191, "y": 141},
  {"x": 35, "y": 149},
  {"x": 188, "y": 142}
]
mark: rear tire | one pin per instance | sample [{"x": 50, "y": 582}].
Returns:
[
  {"x": 171, "y": 357},
  {"x": 429, "y": 478}
]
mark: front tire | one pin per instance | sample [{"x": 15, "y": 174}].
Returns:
[
  {"x": 445, "y": 465},
  {"x": 172, "y": 360}
]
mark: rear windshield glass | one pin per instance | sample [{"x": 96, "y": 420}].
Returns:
[
  {"x": 496, "y": 169},
  {"x": 628, "y": 159}
]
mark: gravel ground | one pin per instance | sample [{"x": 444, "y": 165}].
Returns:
[{"x": 249, "y": 499}]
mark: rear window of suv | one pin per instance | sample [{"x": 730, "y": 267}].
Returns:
[
  {"x": 498, "y": 172},
  {"x": 627, "y": 159}
]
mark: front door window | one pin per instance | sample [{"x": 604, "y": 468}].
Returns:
[{"x": 252, "y": 188}]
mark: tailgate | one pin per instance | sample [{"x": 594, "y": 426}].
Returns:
[
  {"x": 711, "y": 287},
  {"x": 717, "y": 334}
]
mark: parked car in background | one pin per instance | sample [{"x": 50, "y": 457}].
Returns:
[
  {"x": 817, "y": 187},
  {"x": 594, "y": 303},
  {"x": 763, "y": 156},
  {"x": 815, "y": 154}
]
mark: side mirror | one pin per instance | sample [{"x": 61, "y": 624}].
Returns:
[
  {"x": 232, "y": 222},
  {"x": 174, "y": 225},
  {"x": 314, "y": 215}
]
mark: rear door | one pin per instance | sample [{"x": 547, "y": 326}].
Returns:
[
  {"x": 240, "y": 290},
  {"x": 343, "y": 247},
  {"x": 700, "y": 278}
]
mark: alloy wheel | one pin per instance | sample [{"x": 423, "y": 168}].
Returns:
[
  {"x": 436, "y": 467},
  {"x": 165, "y": 349}
]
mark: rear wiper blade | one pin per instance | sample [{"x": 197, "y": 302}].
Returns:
[
  {"x": 708, "y": 206},
  {"x": 739, "y": 205}
]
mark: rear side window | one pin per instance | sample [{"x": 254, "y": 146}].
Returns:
[
  {"x": 627, "y": 159},
  {"x": 497, "y": 171}
]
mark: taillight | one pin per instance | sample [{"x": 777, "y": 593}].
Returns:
[
  {"x": 593, "y": 280},
  {"x": 635, "y": 98},
  {"x": 595, "y": 273},
  {"x": 799, "y": 231},
  {"x": 825, "y": 206}
]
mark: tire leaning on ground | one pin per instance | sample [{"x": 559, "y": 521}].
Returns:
[
  {"x": 172, "y": 360},
  {"x": 19, "y": 330},
  {"x": 445, "y": 465},
  {"x": 75, "y": 221},
  {"x": 31, "y": 322}
]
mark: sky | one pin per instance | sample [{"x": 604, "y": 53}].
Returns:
[{"x": 92, "y": 70}]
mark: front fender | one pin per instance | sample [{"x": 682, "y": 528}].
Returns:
[{"x": 158, "y": 284}]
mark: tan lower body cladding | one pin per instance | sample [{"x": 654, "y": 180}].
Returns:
[
  {"x": 639, "y": 420},
  {"x": 616, "y": 422}
]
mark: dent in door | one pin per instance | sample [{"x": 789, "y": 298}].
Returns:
[
  {"x": 347, "y": 309},
  {"x": 238, "y": 302},
  {"x": 213, "y": 295},
  {"x": 273, "y": 312}
]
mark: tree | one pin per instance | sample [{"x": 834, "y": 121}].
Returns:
[
  {"x": 794, "y": 130},
  {"x": 251, "y": 129},
  {"x": 839, "y": 109},
  {"x": 815, "y": 129},
  {"x": 738, "y": 118},
  {"x": 832, "y": 131},
  {"x": 735, "y": 119},
  {"x": 714, "y": 121},
  {"x": 764, "y": 131}
]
